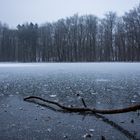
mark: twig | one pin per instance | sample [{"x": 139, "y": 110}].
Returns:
[
  {"x": 85, "y": 109},
  {"x": 84, "y": 103},
  {"x": 104, "y": 119}
]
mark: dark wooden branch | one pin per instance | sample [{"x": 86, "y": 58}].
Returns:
[
  {"x": 86, "y": 109},
  {"x": 83, "y": 102}
]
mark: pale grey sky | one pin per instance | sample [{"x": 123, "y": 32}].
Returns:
[{"x": 16, "y": 12}]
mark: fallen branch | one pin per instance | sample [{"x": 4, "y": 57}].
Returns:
[{"x": 86, "y": 109}]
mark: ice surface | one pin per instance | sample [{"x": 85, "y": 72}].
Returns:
[
  {"x": 102, "y": 85},
  {"x": 109, "y": 84}
]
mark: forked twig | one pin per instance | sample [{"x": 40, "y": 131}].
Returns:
[{"x": 85, "y": 108}]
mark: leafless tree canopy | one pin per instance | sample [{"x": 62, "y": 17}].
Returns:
[{"x": 77, "y": 38}]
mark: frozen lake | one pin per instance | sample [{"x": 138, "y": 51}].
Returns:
[{"x": 102, "y": 85}]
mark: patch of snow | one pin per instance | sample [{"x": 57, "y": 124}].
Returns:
[
  {"x": 53, "y": 95},
  {"x": 49, "y": 129},
  {"x": 91, "y": 130},
  {"x": 102, "y": 80},
  {"x": 94, "y": 93},
  {"x": 133, "y": 101}
]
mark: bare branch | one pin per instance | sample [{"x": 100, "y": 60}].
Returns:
[{"x": 85, "y": 109}]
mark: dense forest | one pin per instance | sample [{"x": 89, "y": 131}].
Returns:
[{"x": 74, "y": 39}]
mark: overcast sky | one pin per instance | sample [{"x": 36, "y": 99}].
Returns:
[{"x": 16, "y": 12}]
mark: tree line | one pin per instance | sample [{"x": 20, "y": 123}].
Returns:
[{"x": 74, "y": 39}]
